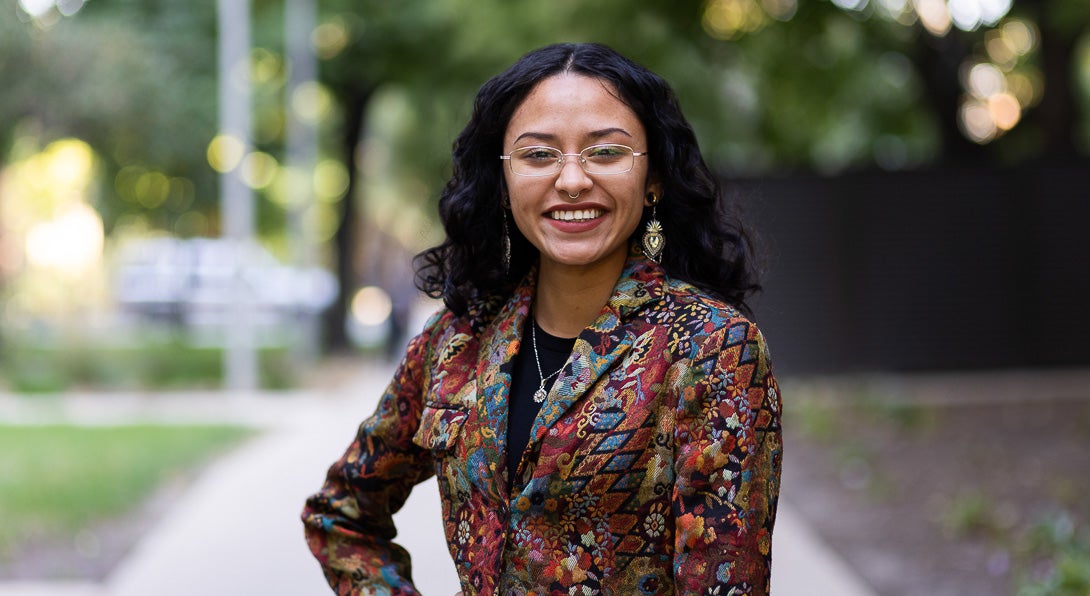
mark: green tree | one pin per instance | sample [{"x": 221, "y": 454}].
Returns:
[
  {"x": 136, "y": 80},
  {"x": 769, "y": 85}
]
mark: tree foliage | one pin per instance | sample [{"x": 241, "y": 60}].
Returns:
[
  {"x": 136, "y": 80},
  {"x": 770, "y": 86}
]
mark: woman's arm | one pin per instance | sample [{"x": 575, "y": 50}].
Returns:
[
  {"x": 349, "y": 524},
  {"x": 728, "y": 457}
]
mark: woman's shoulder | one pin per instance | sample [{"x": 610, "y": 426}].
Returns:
[
  {"x": 442, "y": 324},
  {"x": 447, "y": 333},
  {"x": 685, "y": 298},
  {"x": 701, "y": 324},
  {"x": 476, "y": 316}
]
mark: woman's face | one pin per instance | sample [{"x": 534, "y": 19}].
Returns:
[{"x": 590, "y": 232}]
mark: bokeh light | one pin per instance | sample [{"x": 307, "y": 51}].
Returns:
[
  {"x": 371, "y": 306},
  {"x": 70, "y": 245},
  {"x": 330, "y": 38},
  {"x": 730, "y": 19},
  {"x": 152, "y": 189},
  {"x": 851, "y": 4},
  {"x": 46, "y": 13},
  {"x": 1005, "y": 110},
  {"x": 259, "y": 169},
  {"x": 70, "y": 163},
  {"x": 900, "y": 11},
  {"x": 191, "y": 224},
  {"x": 51, "y": 238},
  {"x": 934, "y": 16},
  {"x": 266, "y": 67},
  {"x": 1001, "y": 84},
  {"x": 781, "y": 10},
  {"x": 938, "y": 16},
  {"x": 225, "y": 152},
  {"x": 312, "y": 102},
  {"x": 48, "y": 181},
  {"x": 976, "y": 121},
  {"x": 285, "y": 189},
  {"x": 985, "y": 80},
  {"x": 330, "y": 180},
  {"x": 1026, "y": 87}
]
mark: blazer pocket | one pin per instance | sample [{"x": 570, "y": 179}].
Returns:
[{"x": 439, "y": 428}]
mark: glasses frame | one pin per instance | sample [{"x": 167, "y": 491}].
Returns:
[{"x": 564, "y": 157}]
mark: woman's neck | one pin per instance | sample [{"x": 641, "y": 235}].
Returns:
[{"x": 569, "y": 299}]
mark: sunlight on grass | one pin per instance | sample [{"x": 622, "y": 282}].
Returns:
[{"x": 57, "y": 480}]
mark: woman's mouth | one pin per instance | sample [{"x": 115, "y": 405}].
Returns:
[{"x": 576, "y": 215}]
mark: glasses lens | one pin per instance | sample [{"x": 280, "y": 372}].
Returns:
[
  {"x": 597, "y": 159},
  {"x": 535, "y": 161},
  {"x": 607, "y": 159}
]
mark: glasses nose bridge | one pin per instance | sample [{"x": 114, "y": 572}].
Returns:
[{"x": 563, "y": 160}]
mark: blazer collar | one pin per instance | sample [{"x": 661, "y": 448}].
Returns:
[
  {"x": 597, "y": 348},
  {"x": 603, "y": 342}
]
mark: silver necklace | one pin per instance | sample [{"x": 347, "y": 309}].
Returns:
[{"x": 540, "y": 394}]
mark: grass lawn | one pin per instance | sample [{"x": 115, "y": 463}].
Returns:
[{"x": 57, "y": 480}]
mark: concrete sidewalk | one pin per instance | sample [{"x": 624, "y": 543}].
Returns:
[{"x": 237, "y": 532}]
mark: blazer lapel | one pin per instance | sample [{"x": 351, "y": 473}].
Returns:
[
  {"x": 601, "y": 344},
  {"x": 499, "y": 344}
]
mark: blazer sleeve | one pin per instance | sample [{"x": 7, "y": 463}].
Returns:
[
  {"x": 349, "y": 523},
  {"x": 728, "y": 450}
]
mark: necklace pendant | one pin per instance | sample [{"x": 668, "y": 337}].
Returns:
[{"x": 540, "y": 395}]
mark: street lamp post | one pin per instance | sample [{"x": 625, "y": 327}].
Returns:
[
  {"x": 236, "y": 198},
  {"x": 301, "y": 149}
]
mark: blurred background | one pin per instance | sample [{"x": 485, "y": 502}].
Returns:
[{"x": 201, "y": 195}]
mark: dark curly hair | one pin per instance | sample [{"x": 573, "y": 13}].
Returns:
[{"x": 706, "y": 245}]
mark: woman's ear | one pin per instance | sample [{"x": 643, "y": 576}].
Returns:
[{"x": 653, "y": 189}]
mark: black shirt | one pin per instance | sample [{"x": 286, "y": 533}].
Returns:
[{"x": 525, "y": 380}]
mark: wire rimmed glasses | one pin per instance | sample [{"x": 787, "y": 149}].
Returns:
[{"x": 540, "y": 160}]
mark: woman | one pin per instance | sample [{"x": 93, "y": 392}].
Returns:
[{"x": 600, "y": 416}]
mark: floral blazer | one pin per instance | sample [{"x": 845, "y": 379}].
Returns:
[{"x": 653, "y": 466}]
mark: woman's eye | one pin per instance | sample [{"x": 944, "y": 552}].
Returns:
[
  {"x": 540, "y": 155},
  {"x": 606, "y": 153}
]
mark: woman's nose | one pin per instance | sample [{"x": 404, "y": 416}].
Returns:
[{"x": 573, "y": 179}]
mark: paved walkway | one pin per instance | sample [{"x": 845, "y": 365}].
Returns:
[{"x": 236, "y": 531}]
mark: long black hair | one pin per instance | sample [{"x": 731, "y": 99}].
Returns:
[{"x": 706, "y": 245}]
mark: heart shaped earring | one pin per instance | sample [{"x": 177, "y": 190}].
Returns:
[{"x": 653, "y": 240}]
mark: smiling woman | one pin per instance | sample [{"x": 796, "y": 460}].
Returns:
[
  {"x": 600, "y": 413},
  {"x": 578, "y": 213}
]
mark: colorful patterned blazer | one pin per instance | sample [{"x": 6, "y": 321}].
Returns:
[{"x": 653, "y": 467}]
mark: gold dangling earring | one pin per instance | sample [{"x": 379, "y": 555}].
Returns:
[
  {"x": 506, "y": 244},
  {"x": 653, "y": 240}
]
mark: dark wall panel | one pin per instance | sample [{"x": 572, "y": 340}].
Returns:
[{"x": 925, "y": 270}]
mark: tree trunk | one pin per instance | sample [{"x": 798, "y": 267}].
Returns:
[{"x": 346, "y": 239}]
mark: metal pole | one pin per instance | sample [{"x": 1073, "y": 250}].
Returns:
[
  {"x": 301, "y": 148},
  {"x": 236, "y": 198}
]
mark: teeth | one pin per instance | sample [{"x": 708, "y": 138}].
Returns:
[{"x": 577, "y": 215}]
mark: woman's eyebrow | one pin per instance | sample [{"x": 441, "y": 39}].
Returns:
[
  {"x": 538, "y": 136},
  {"x": 545, "y": 137},
  {"x": 608, "y": 131}
]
